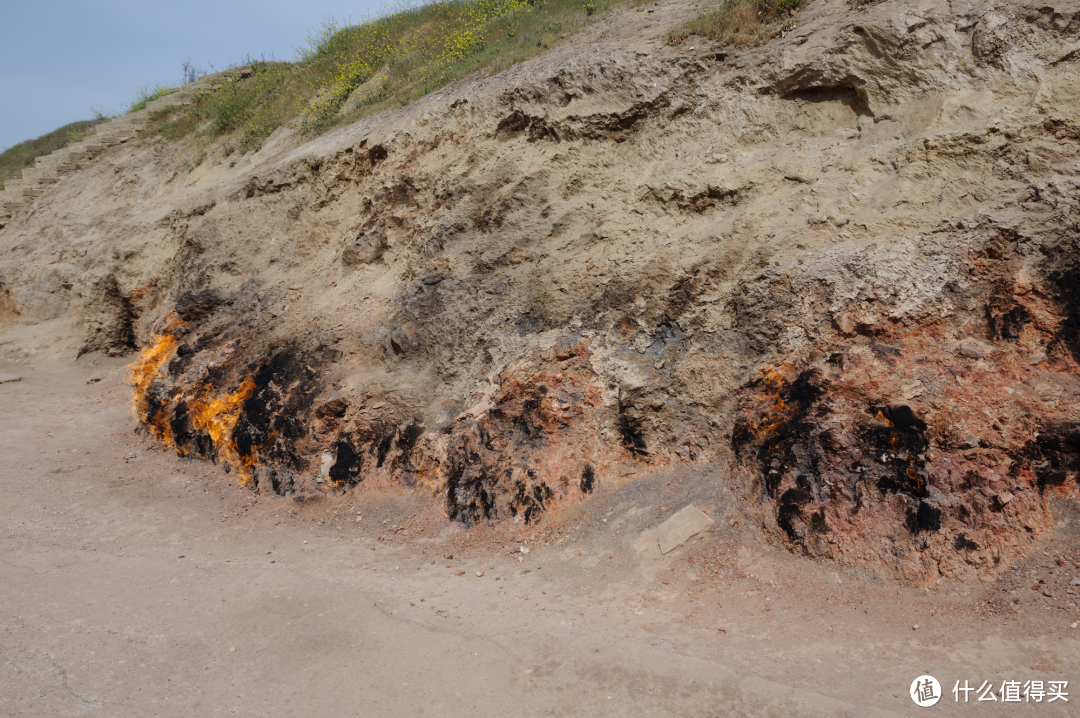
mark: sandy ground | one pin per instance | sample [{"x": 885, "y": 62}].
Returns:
[{"x": 137, "y": 583}]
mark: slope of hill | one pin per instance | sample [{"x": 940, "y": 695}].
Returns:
[
  {"x": 16, "y": 157},
  {"x": 839, "y": 269}
]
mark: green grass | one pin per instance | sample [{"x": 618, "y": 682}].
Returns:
[
  {"x": 14, "y": 159},
  {"x": 412, "y": 50},
  {"x": 145, "y": 94},
  {"x": 744, "y": 23}
]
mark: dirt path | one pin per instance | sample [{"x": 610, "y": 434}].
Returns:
[{"x": 134, "y": 582}]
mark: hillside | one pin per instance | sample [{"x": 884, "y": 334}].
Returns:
[
  {"x": 824, "y": 288},
  {"x": 15, "y": 158},
  {"x": 842, "y": 264}
]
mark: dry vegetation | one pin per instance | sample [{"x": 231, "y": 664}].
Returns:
[{"x": 741, "y": 22}]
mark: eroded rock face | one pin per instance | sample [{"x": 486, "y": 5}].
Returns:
[
  {"x": 841, "y": 268},
  {"x": 930, "y": 449}
]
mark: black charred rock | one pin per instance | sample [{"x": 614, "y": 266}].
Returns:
[
  {"x": 1056, "y": 454},
  {"x": 924, "y": 518},
  {"x": 588, "y": 479},
  {"x": 335, "y": 408},
  {"x": 963, "y": 543},
  {"x": 196, "y": 306},
  {"x": 528, "y": 323},
  {"x": 791, "y": 504},
  {"x": 897, "y": 443},
  {"x": 348, "y": 465},
  {"x": 529, "y": 499},
  {"x": 903, "y": 418},
  {"x": 407, "y": 439},
  {"x": 630, "y": 430},
  {"x": 469, "y": 490}
]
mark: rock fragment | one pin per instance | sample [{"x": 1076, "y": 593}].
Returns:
[
  {"x": 975, "y": 348},
  {"x": 686, "y": 524}
]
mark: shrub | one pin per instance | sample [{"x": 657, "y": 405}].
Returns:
[{"x": 191, "y": 73}]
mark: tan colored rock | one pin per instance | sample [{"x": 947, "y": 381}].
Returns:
[
  {"x": 5, "y": 378},
  {"x": 975, "y": 348},
  {"x": 686, "y": 524},
  {"x": 796, "y": 168}
]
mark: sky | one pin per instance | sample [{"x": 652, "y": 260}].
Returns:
[{"x": 64, "y": 58}]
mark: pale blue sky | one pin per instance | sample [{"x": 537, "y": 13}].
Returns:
[{"x": 62, "y": 57}]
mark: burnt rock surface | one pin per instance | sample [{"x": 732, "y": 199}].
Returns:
[
  {"x": 899, "y": 449},
  {"x": 531, "y": 444},
  {"x": 841, "y": 267}
]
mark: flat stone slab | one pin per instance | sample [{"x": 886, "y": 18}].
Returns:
[
  {"x": 5, "y": 378},
  {"x": 686, "y": 524}
]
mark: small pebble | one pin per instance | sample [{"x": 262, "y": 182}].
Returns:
[
  {"x": 915, "y": 627},
  {"x": 479, "y": 574}
]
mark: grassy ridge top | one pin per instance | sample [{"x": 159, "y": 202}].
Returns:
[{"x": 345, "y": 72}]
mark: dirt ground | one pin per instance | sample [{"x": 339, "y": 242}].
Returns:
[{"x": 135, "y": 583}]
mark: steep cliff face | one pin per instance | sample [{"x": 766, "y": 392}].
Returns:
[{"x": 841, "y": 269}]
